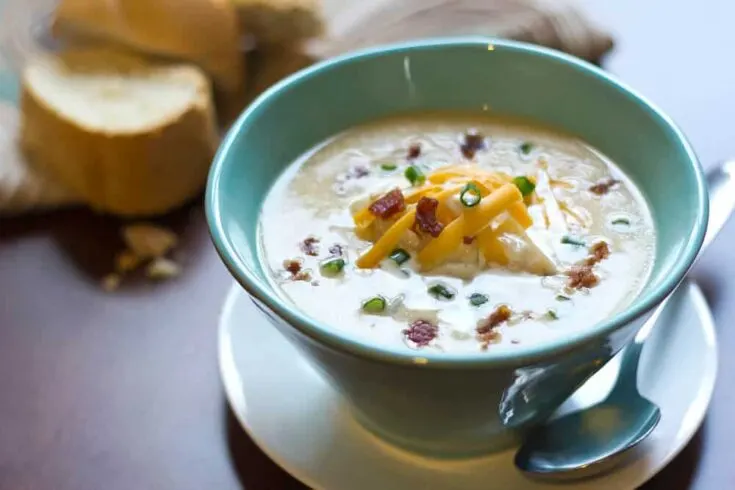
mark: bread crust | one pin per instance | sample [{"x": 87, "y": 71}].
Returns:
[{"x": 146, "y": 171}]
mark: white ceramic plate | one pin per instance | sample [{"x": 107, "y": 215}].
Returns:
[{"x": 303, "y": 424}]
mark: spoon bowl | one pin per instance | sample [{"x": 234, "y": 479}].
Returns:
[{"x": 608, "y": 431}]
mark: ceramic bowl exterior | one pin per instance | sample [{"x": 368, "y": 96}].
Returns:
[{"x": 451, "y": 403}]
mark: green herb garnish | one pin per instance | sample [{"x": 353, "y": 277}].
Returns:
[
  {"x": 526, "y": 147},
  {"x": 399, "y": 256},
  {"x": 524, "y": 185},
  {"x": 561, "y": 297},
  {"x": 478, "y": 299},
  {"x": 551, "y": 315},
  {"x": 470, "y": 195},
  {"x": 569, "y": 240},
  {"x": 332, "y": 266},
  {"x": 389, "y": 167},
  {"x": 414, "y": 175},
  {"x": 440, "y": 291},
  {"x": 621, "y": 221},
  {"x": 374, "y": 305}
]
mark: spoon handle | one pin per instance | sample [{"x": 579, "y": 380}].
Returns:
[
  {"x": 721, "y": 186},
  {"x": 631, "y": 356}
]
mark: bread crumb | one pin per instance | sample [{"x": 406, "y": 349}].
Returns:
[
  {"x": 149, "y": 241},
  {"x": 161, "y": 269},
  {"x": 126, "y": 261},
  {"x": 111, "y": 282}
]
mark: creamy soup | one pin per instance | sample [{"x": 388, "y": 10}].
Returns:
[{"x": 456, "y": 233}]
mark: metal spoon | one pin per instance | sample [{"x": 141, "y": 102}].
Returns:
[{"x": 571, "y": 447}]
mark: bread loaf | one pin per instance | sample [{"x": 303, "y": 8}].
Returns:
[
  {"x": 129, "y": 137},
  {"x": 204, "y": 32}
]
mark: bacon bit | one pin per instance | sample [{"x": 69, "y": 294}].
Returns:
[
  {"x": 473, "y": 142},
  {"x": 294, "y": 267},
  {"x": 501, "y": 314},
  {"x": 421, "y": 332},
  {"x": 358, "y": 172},
  {"x": 414, "y": 151},
  {"x": 388, "y": 205},
  {"x": 603, "y": 187},
  {"x": 310, "y": 246},
  {"x": 487, "y": 331},
  {"x": 468, "y": 240},
  {"x": 426, "y": 217},
  {"x": 582, "y": 276},
  {"x": 599, "y": 252},
  {"x": 337, "y": 250}
]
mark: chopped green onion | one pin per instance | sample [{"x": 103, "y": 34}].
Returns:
[
  {"x": 414, "y": 175},
  {"x": 332, "y": 266},
  {"x": 526, "y": 147},
  {"x": 399, "y": 256},
  {"x": 524, "y": 185},
  {"x": 621, "y": 221},
  {"x": 389, "y": 167},
  {"x": 551, "y": 315},
  {"x": 374, "y": 305},
  {"x": 470, "y": 195},
  {"x": 568, "y": 240},
  {"x": 440, "y": 291},
  {"x": 561, "y": 297},
  {"x": 478, "y": 299}
]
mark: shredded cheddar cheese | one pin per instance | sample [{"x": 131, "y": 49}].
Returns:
[
  {"x": 469, "y": 223},
  {"x": 388, "y": 241},
  {"x": 498, "y": 195},
  {"x": 519, "y": 212},
  {"x": 364, "y": 218},
  {"x": 491, "y": 247}
]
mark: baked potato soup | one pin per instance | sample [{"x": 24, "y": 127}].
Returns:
[{"x": 456, "y": 233}]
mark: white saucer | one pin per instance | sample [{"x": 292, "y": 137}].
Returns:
[{"x": 304, "y": 426}]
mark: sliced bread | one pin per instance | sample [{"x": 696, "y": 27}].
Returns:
[
  {"x": 129, "y": 137},
  {"x": 204, "y": 32}
]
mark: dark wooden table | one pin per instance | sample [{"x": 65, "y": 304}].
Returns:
[{"x": 121, "y": 391}]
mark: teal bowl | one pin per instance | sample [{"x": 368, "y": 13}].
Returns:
[{"x": 449, "y": 404}]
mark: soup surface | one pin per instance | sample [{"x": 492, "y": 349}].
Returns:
[{"x": 456, "y": 233}]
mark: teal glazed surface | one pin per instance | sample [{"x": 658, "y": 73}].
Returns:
[{"x": 448, "y": 403}]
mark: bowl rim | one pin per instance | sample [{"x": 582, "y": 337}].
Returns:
[{"x": 523, "y": 354}]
